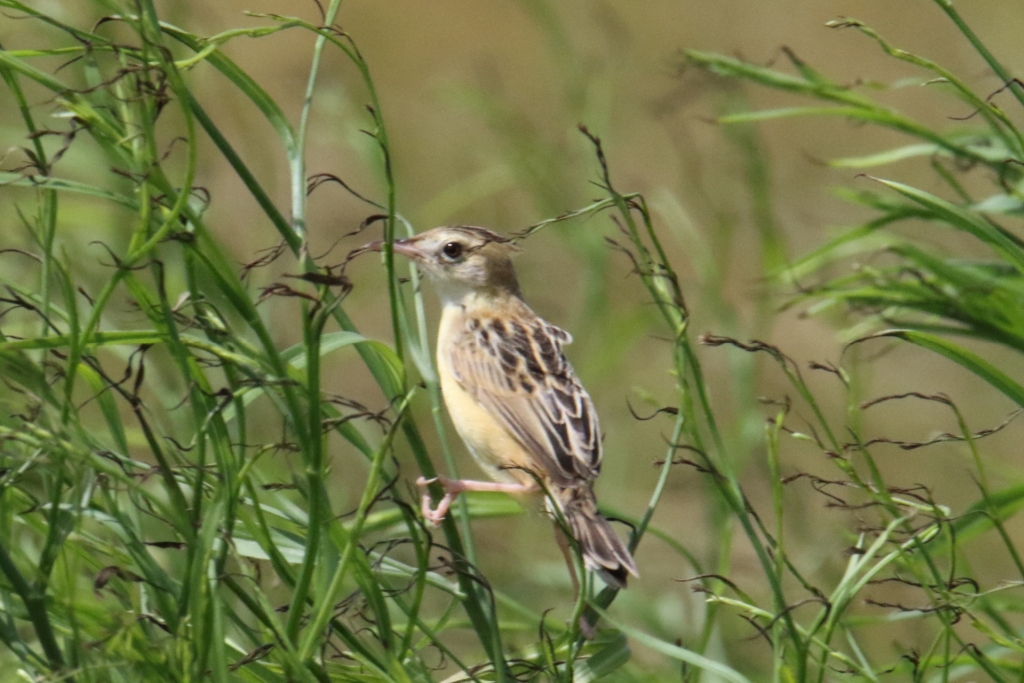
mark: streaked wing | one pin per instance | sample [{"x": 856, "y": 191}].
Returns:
[{"x": 516, "y": 370}]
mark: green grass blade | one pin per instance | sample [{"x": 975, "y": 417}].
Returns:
[{"x": 972, "y": 362}]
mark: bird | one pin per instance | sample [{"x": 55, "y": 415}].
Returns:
[{"x": 511, "y": 394}]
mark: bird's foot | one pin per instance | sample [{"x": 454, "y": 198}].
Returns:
[
  {"x": 453, "y": 487},
  {"x": 587, "y": 629},
  {"x": 435, "y": 515}
]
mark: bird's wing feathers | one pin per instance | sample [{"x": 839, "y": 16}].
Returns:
[{"x": 515, "y": 369}]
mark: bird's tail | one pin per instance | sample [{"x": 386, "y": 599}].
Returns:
[{"x": 603, "y": 552}]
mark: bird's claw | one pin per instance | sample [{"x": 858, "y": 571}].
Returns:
[{"x": 435, "y": 516}]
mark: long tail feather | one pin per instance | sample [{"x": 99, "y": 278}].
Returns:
[{"x": 603, "y": 551}]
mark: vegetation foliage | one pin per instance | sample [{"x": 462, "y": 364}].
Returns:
[{"x": 145, "y": 533}]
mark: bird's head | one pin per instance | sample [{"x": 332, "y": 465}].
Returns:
[{"x": 462, "y": 259}]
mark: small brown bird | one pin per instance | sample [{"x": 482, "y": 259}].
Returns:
[{"x": 511, "y": 394}]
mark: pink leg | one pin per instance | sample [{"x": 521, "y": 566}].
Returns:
[
  {"x": 563, "y": 545},
  {"x": 586, "y": 628},
  {"x": 453, "y": 487}
]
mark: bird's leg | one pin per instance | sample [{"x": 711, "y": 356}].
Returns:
[
  {"x": 453, "y": 487},
  {"x": 563, "y": 545},
  {"x": 586, "y": 628}
]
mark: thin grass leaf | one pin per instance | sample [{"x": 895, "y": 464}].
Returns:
[
  {"x": 1006, "y": 244},
  {"x": 676, "y": 652},
  {"x": 8, "y": 179},
  {"x": 972, "y": 362}
]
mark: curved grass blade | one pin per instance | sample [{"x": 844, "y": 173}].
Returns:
[
  {"x": 1005, "y": 243},
  {"x": 676, "y": 652},
  {"x": 969, "y": 360}
]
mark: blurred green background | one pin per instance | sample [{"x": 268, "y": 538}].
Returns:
[{"x": 482, "y": 101}]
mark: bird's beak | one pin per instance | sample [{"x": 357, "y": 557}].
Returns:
[{"x": 405, "y": 247}]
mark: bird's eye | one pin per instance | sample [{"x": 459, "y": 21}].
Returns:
[{"x": 452, "y": 250}]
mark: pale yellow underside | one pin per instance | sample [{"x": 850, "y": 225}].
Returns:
[{"x": 497, "y": 452}]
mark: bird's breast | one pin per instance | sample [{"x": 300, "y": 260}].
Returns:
[{"x": 497, "y": 452}]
